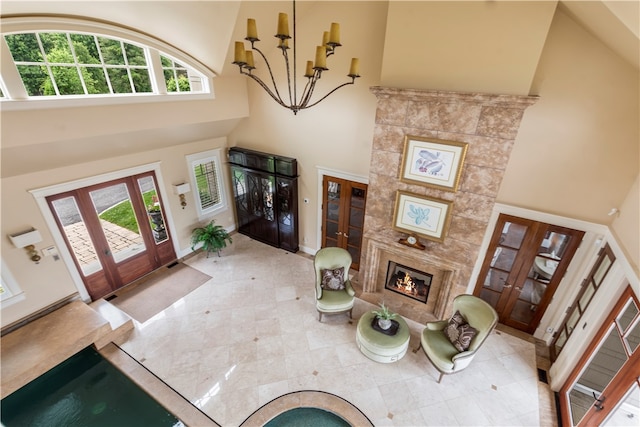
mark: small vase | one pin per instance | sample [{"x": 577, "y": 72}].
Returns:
[{"x": 384, "y": 323}]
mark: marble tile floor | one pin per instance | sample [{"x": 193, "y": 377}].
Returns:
[{"x": 251, "y": 334}]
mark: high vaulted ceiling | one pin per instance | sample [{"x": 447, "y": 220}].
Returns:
[{"x": 204, "y": 28}]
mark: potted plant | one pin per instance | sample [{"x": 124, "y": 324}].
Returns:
[
  {"x": 384, "y": 316},
  {"x": 155, "y": 214},
  {"x": 213, "y": 238}
]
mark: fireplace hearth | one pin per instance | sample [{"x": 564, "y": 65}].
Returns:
[{"x": 408, "y": 281}]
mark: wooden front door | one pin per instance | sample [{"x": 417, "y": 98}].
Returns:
[
  {"x": 522, "y": 268},
  {"x": 115, "y": 231},
  {"x": 343, "y": 204}
]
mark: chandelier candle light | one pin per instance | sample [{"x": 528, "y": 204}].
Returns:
[{"x": 330, "y": 41}]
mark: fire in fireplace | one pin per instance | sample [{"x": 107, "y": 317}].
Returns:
[{"x": 408, "y": 282}]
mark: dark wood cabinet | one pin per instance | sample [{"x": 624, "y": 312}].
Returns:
[{"x": 265, "y": 188}]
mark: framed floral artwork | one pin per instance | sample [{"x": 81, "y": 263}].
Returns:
[
  {"x": 433, "y": 162},
  {"x": 425, "y": 216}
]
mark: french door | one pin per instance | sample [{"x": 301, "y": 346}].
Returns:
[
  {"x": 115, "y": 231},
  {"x": 604, "y": 388},
  {"x": 343, "y": 203},
  {"x": 522, "y": 268}
]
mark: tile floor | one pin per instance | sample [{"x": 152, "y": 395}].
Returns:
[{"x": 251, "y": 334}]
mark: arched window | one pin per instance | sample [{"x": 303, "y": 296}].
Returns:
[{"x": 45, "y": 58}]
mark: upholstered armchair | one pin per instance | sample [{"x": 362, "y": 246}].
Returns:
[
  {"x": 451, "y": 345},
  {"x": 334, "y": 293}
]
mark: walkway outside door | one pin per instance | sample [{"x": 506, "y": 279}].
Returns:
[
  {"x": 115, "y": 231},
  {"x": 343, "y": 203},
  {"x": 522, "y": 268}
]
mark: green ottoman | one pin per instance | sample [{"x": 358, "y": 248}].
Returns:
[{"x": 379, "y": 346}]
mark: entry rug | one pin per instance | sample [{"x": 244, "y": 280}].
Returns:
[{"x": 159, "y": 292}]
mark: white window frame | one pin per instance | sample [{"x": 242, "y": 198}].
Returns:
[
  {"x": 206, "y": 157},
  {"x": 15, "y": 97},
  {"x": 12, "y": 292}
]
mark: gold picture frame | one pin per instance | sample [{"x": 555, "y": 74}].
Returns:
[
  {"x": 436, "y": 163},
  {"x": 426, "y": 216}
]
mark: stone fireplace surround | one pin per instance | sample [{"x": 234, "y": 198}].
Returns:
[{"x": 489, "y": 124}]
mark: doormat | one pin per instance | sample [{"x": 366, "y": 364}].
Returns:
[{"x": 159, "y": 292}]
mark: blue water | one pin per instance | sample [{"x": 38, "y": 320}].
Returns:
[
  {"x": 85, "y": 390},
  {"x": 307, "y": 417}
]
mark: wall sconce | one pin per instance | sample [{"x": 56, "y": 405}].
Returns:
[
  {"x": 27, "y": 240},
  {"x": 181, "y": 190}
]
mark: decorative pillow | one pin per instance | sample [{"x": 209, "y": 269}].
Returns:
[
  {"x": 332, "y": 279},
  {"x": 459, "y": 332}
]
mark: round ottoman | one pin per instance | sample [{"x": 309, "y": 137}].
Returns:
[{"x": 379, "y": 346}]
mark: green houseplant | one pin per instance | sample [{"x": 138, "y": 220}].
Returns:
[
  {"x": 212, "y": 237},
  {"x": 384, "y": 316}
]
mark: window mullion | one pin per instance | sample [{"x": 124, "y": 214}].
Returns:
[
  {"x": 45, "y": 58},
  {"x": 127, "y": 68},
  {"x": 155, "y": 71},
  {"x": 104, "y": 68},
  {"x": 77, "y": 64}
]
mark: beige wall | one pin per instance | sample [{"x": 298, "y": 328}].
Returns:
[
  {"x": 465, "y": 46},
  {"x": 577, "y": 151},
  {"x": 626, "y": 226},
  {"x": 65, "y": 136}
]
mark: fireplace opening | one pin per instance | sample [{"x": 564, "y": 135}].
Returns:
[{"x": 408, "y": 281}]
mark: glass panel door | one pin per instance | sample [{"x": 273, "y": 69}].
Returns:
[
  {"x": 331, "y": 226},
  {"x": 497, "y": 278},
  {"x": 75, "y": 230},
  {"x": 149, "y": 195},
  {"x": 606, "y": 363},
  {"x": 627, "y": 413},
  {"x": 343, "y": 204},
  {"x": 118, "y": 221},
  {"x": 357, "y": 201},
  {"x": 541, "y": 273},
  {"x": 604, "y": 384},
  {"x": 523, "y": 266}
]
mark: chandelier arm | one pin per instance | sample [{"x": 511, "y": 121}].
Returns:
[
  {"x": 353, "y": 79},
  {"x": 308, "y": 91},
  {"x": 273, "y": 80},
  {"x": 275, "y": 96}
]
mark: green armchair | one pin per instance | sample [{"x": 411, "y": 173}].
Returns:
[
  {"x": 334, "y": 293},
  {"x": 439, "y": 349}
]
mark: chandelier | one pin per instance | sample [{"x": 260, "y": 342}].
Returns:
[{"x": 330, "y": 41}]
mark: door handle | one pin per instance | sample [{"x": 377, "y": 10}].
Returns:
[
  {"x": 345, "y": 235},
  {"x": 338, "y": 233},
  {"x": 518, "y": 288},
  {"x": 506, "y": 286},
  {"x": 598, "y": 403}
]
